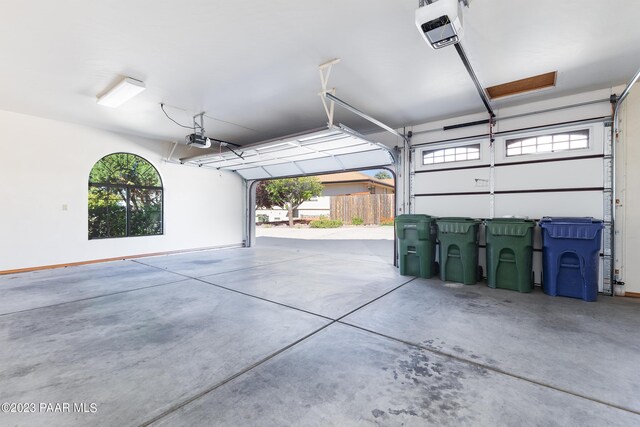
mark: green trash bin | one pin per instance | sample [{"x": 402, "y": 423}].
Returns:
[
  {"x": 458, "y": 249},
  {"x": 417, "y": 237},
  {"x": 510, "y": 253}
]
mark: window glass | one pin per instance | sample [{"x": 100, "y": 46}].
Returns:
[
  {"x": 125, "y": 197},
  {"x": 575, "y": 140},
  {"x": 448, "y": 155}
]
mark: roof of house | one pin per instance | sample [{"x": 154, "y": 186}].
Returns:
[{"x": 343, "y": 177}]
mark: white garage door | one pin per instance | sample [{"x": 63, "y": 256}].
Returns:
[
  {"x": 547, "y": 172},
  {"x": 327, "y": 150}
]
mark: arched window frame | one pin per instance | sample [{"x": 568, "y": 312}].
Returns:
[{"x": 120, "y": 191}]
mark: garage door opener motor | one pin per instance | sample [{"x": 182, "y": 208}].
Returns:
[{"x": 440, "y": 22}]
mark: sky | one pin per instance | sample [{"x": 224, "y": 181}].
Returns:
[{"x": 372, "y": 172}]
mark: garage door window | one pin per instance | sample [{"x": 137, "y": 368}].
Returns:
[
  {"x": 574, "y": 140},
  {"x": 447, "y": 155},
  {"x": 125, "y": 197}
]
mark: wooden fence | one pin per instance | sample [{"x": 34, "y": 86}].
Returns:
[{"x": 370, "y": 207}]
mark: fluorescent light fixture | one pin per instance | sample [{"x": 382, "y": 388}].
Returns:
[{"x": 123, "y": 91}]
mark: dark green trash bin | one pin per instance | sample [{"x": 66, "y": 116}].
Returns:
[
  {"x": 416, "y": 234},
  {"x": 510, "y": 253},
  {"x": 458, "y": 249}
]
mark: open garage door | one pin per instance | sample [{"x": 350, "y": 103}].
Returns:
[
  {"x": 332, "y": 149},
  {"x": 316, "y": 152}
]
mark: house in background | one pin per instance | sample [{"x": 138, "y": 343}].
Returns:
[
  {"x": 336, "y": 184},
  {"x": 348, "y": 183}
]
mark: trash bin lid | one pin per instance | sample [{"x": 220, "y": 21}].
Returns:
[
  {"x": 413, "y": 218},
  {"x": 583, "y": 228},
  {"x": 510, "y": 219},
  {"x": 509, "y": 226},
  {"x": 457, "y": 219},
  {"x": 570, "y": 220},
  {"x": 458, "y": 225}
]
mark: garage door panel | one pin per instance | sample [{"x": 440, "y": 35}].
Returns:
[
  {"x": 222, "y": 163},
  {"x": 366, "y": 159},
  {"x": 254, "y": 173},
  {"x": 475, "y": 206},
  {"x": 466, "y": 180},
  {"x": 265, "y": 160},
  {"x": 537, "y": 205},
  {"x": 561, "y": 174},
  {"x": 330, "y": 145},
  {"x": 320, "y": 165},
  {"x": 284, "y": 169},
  {"x": 351, "y": 149},
  {"x": 307, "y": 156}
]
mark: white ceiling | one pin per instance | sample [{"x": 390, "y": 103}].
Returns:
[{"x": 252, "y": 65}]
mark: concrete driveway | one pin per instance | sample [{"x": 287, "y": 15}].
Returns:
[
  {"x": 369, "y": 232},
  {"x": 374, "y": 243}
]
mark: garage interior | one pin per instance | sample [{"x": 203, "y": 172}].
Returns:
[{"x": 132, "y": 291}]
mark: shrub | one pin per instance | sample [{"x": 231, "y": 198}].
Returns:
[
  {"x": 262, "y": 218},
  {"x": 386, "y": 221},
  {"x": 357, "y": 220},
  {"x": 326, "y": 223}
]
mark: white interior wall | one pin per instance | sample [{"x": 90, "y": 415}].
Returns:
[{"x": 46, "y": 165}]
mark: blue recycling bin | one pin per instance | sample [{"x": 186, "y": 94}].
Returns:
[{"x": 570, "y": 256}]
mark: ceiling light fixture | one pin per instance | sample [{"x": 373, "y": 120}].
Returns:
[{"x": 123, "y": 91}]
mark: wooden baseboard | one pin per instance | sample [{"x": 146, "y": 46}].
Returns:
[
  {"x": 120, "y": 258},
  {"x": 632, "y": 294}
]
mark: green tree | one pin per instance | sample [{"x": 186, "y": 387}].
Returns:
[
  {"x": 263, "y": 199},
  {"x": 290, "y": 193},
  {"x": 382, "y": 175}
]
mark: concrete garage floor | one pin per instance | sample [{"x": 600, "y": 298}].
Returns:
[{"x": 281, "y": 335}]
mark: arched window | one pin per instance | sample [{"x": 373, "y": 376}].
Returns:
[{"x": 125, "y": 197}]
